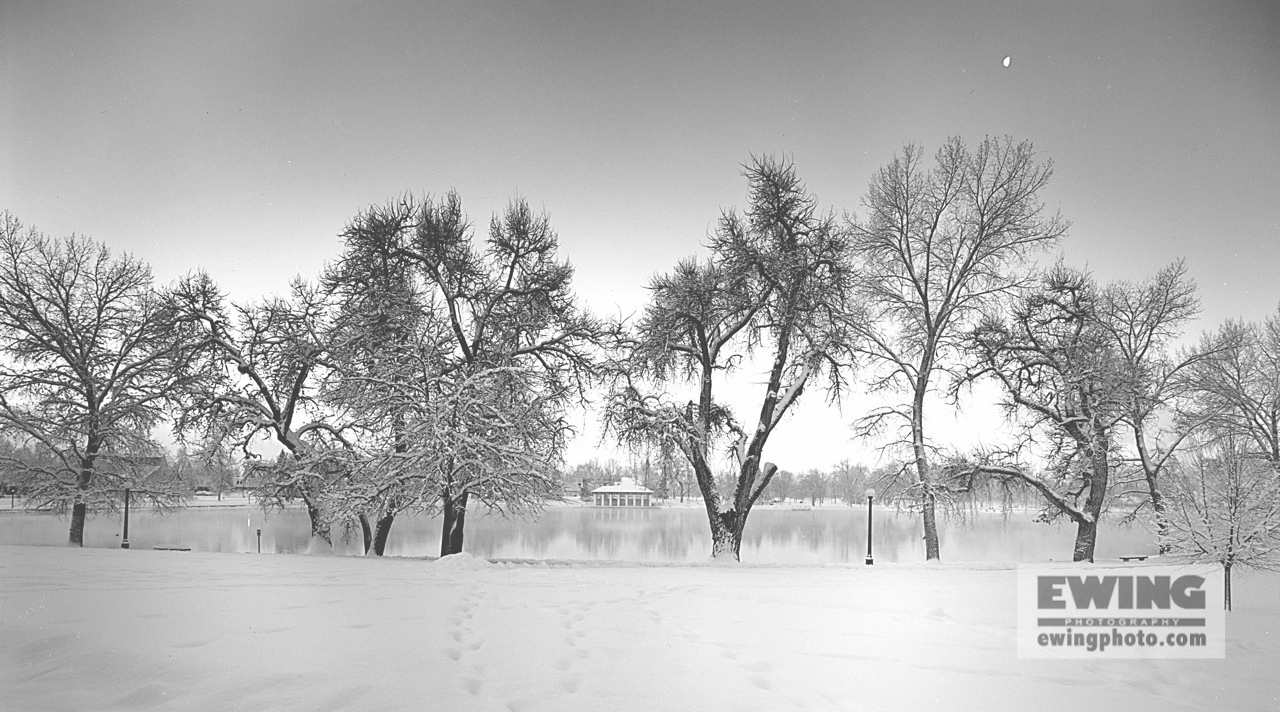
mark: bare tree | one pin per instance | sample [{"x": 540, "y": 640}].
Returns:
[
  {"x": 849, "y": 482},
  {"x": 1059, "y": 371},
  {"x": 814, "y": 485},
  {"x": 1141, "y": 319},
  {"x": 92, "y": 356},
  {"x": 937, "y": 246},
  {"x": 1224, "y": 508},
  {"x": 675, "y": 477},
  {"x": 386, "y": 342},
  {"x": 1235, "y": 384},
  {"x": 776, "y": 285},
  {"x": 1078, "y": 364},
  {"x": 496, "y": 431},
  {"x": 593, "y": 473},
  {"x": 214, "y": 472},
  {"x": 782, "y": 486},
  {"x": 432, "y": 317},
  {"x": 266, "y": 364}
]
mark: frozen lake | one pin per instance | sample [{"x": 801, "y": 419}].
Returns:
[{"x": 775, "y": 534}]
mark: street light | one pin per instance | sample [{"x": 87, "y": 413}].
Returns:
[
  {"x": 124, "y": 541},
  {"x": 870, "y": 496}
]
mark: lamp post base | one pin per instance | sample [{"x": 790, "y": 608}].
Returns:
[{"x": 870, "y": 561}]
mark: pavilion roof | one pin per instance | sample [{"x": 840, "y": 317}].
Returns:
[{"x": 627, "y": 486}]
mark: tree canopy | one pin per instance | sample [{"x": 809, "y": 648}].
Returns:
[
  {"x": 775, "y": 288},
  {"x": 92, "y": 356}
]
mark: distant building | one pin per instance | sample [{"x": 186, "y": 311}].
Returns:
[{"x": 624, "y": 494}]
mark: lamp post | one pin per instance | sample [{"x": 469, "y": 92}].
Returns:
[
  {"x": 870, "y": 496},
  {"x": 124, "y": 542}
]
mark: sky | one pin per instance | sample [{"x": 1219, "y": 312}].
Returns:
[{"x": 239, "y": 138}]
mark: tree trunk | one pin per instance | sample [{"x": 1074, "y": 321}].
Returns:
[
  {"x": 1162, "y": 522},
  {"x": 76, "y": 537},
  {"x": 79, "y": 511},
  {"x": 726, "y": 537},
  {"x": 928, "y": 500},
  {"x": 1150, "y": 471},
  {"x": 366, "y": 533},
  {"x": 318, "y": 528},
  {"x": 721, "y": 536},
  {"x": 1100, "y": 470},
  {"x": 1226, "y": 590},
  {"x": 383, "y": 531},
  {"x": 932, "y": 552},
  {"x": 1086, "y": 539},
  {"x": 455, "y": 519}
]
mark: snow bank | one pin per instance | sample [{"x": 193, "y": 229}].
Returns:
[
  {"x": 107, "y": 629},
  {"x": 461, "y": 562}
]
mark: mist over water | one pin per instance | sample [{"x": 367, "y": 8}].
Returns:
[{"x": 774, "y": 534}]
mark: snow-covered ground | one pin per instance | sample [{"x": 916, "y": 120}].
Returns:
[{"x": 105, "y": 629}]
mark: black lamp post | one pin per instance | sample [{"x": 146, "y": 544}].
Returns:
[
  {"x": 870, "y": 495},
  {"x": 124, "y": 542}
]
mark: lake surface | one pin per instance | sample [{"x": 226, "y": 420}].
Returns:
[{"x": 775, "y": 534}]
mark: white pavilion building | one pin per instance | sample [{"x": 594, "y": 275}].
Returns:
[{"x": 624, "y": 494}]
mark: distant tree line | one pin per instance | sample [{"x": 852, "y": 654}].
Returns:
[{"x": 429, "y": 369}]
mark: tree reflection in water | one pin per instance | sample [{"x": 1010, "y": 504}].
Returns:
[{"x": 775, "y": 534}]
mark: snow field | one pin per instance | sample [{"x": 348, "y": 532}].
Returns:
[{"x": 111, "y": 630}]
